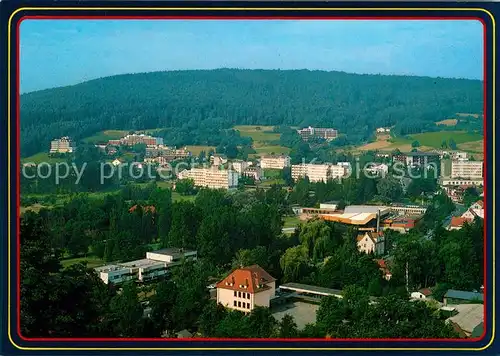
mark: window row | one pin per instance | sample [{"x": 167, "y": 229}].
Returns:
[
  {"x": 242, "y": 295},
  {"x": 241, "y": 305}
]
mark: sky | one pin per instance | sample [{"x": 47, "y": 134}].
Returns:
[{"x": 66, "y": 52}]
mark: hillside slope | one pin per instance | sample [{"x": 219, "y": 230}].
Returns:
[{"x": 354, "y": 104}]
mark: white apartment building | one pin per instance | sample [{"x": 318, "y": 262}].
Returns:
[
  {"x": 211, "y": 178},
  {"x": 240, "y": 166},
  {"x": 253, "y": 172},
  {"x": 62, "y": 145},
  {"x": 245, "y": 288},
  {"x": 317, "y": 172},
  {"x": 274, "y": 162},
  {"x": 467, "y": 169}
]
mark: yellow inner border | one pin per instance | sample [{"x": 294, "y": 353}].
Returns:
[{"x": 492, "y": 114}]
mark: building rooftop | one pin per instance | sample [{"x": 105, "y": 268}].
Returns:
[
  {"x": 458, "y": 294},
  {"x": 305, "y": 288},
  {"x": 172, "y": 251},
  {"x": 374, "y": 209},
  {"x": 469, "y": 316},
  {"x": 141, "y": 263},
  {"x": 109, "y": 268},
  {"x": 251, "y": 279},
  {"x": 353, "y": 218},
  {"x": 421, "y": 154}
]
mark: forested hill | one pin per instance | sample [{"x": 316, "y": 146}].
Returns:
[{"x": 354, "y": 104}]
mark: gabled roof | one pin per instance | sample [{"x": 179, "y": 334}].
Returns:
[
  {"x": 252, "y": 279},
  {"x": 425, "y": 291},
  {"x": 458, "y": 221},
  {"x": 371, "y": 235},
  {"x": 458, "y": 294}
]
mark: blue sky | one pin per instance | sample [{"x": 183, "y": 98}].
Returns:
[{"x": 65, "y": 52}]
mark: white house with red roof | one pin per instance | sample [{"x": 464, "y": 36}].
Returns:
[
  {"x": 245, "y": 288},
  {"x": 421, "y": 294}
]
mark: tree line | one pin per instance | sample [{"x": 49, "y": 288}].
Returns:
[{"x": 196, "y": 106}]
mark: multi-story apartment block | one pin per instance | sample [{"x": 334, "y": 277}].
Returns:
[
  {"x": 467, "y": 169},
  {"x": 274, "y": 162},
  {"x": 308, "y": 132},
  {"x": 245, "y": 288},
  {"x": 169, "y": 153},
  {"x": 62, "y": 145},
  {"x": 211, "y": 177},
  {"x": 253, "y": 172},
  {"x": 240, "y": 166},
  {"x": 317, "y": 172},
  {"x": 416, "y": 159},
  {"x": 135, "y": 139}
]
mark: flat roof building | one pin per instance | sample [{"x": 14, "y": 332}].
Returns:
[
  {"x": 211, "y": 177},
  {"x": 62, "y": 145},
  {"x": 317, "y": 172},
  {"x": 467, "y": 169},
  {"x": 274, "y": 161}
]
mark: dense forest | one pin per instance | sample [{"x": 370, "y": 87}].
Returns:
[
  {"x": 197, "y": 107},
  {"x": 229, "y": 230}
]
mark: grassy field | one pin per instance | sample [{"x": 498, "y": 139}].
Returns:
[
  {"x": 105, "y": 136},
  {"x": 177, "y": 197},
  {"x": 291, "y": 221},
  {"x": 92, "y": 261},
  {"x": 42, "y": 157},
  {"x": 428, "y": 141},
  {"x": 195, "y": 150},
  {"x": 258, "y": 133},
  {"x": 264, "y": 139},
  {"x": 434, "y": 139}
]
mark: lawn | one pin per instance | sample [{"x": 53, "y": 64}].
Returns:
[
  {"x": 177, "y": 197},
  {"x": 258, "y": 133},
  {"x": 264, "y": 139},
  {"x": 195, "y": 150},
  {"x": 434, "y": 139},
  {"x": 92, "y": 261},
  {"x": 291, "y": 221},
  {"x": 427, "y": 140},
  {"x": 42, "y": 157},
  {"x": 105, "y": 136},
  {"x": 271, "y": 149}
]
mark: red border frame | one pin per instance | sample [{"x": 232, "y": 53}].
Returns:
[{"x": 195, "y": 340}]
